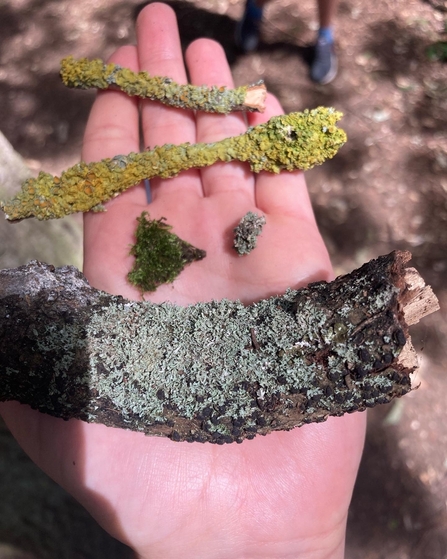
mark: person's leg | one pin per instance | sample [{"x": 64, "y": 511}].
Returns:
[
  {"x": 247, "y": 29},
  {"x": 324, "y": 65},
  {"x": 326, "y": 12}
]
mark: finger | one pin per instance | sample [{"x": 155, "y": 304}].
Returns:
[
  {"x": 207, "y": 64},
  {"x": 160, "y": 53},
  {"x": 112, "y": 127},
  {"x": 286, "y": 193}
]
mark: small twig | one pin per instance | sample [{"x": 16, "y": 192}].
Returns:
[{"x": 85, "y": 74}]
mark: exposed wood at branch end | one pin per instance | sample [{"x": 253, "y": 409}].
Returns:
[{"x": 255, "y": 97}]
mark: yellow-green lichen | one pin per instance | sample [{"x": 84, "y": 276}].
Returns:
[
  {"x": 85, "y": 74},
  {"x": 160, "y": 255},
  {"x": 287, "y": 142}
]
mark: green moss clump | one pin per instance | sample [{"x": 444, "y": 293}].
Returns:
[{"x": 160, "y": 255}]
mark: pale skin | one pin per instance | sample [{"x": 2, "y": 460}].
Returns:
[{"x": 285, "y": 495}]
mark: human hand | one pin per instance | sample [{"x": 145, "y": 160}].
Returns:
[{"x": 283, "y": 495}]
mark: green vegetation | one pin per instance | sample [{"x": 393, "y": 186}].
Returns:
[
  {"x": 437, "y": 52},
  {"x": 160, "y": 255}
]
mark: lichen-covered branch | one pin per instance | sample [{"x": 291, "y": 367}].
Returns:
[
  {"x": 288, "y": 142},
  {"x": 86, "y": 74},
  {"x": 217, "y": 371}
]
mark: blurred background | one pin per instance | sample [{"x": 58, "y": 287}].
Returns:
[{"x": 385, "y": 190}]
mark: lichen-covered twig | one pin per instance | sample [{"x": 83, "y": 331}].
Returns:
[
  {"x": 160, "y": 255},
  {"x": 247, "y": 231},
  {"x": 217, "y": 371},
  {"x": 85, "y": 74},
  {"x": 288, "y": 142}
]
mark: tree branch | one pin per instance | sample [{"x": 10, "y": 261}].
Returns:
[
  {"x": 285, "y": 142},
  {"x": 85, "y": 74},
  {"x": 217, "y": 371}
]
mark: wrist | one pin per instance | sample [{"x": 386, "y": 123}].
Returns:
[{"x": 329, "y": 546}]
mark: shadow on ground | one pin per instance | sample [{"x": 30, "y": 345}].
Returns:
[{"x": 39, "y": 518}]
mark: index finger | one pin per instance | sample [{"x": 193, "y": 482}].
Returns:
[
  {"x": 112, "y": 128},
  {"x": 160, "y": 54}
]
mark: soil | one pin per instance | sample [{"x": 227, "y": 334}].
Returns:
[{"x": 386, "y": 189}]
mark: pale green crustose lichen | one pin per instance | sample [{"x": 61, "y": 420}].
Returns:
[
  {"x": 215, "y": 371},
  {"x": 287, "y": 142}
]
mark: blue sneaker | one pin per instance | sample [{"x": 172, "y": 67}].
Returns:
[
  {"x": 248, "y": 28},
  {"x": 324, "y": 65}
]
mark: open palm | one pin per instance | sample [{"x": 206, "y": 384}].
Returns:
[{"x": 283, "y": 495}]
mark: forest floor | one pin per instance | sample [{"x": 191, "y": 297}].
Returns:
[{"x": 387, "y": 189}]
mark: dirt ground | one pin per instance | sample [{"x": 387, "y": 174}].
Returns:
[{"x": 386, "y": 189}]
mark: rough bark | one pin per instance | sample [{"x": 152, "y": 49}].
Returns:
[{"x": 217, "y": 371}]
